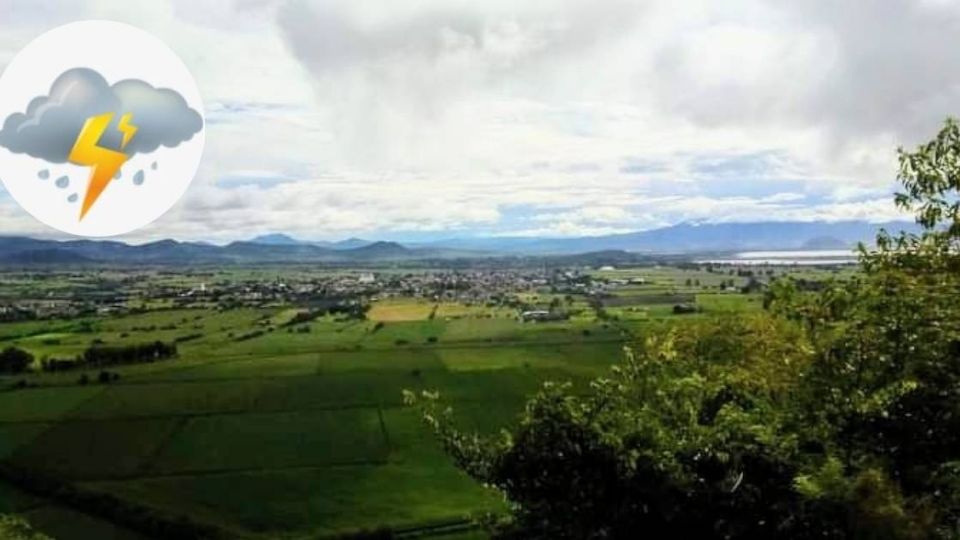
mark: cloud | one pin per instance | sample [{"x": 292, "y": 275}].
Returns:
[
  {"x": 50, "y": 125},
  {"x": 696, "y": 110},
  {"x": 402, "y": 82},
  {"x": 866, "y": 69}
]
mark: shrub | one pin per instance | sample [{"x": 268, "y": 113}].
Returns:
[{"x": 14, "y": 360}]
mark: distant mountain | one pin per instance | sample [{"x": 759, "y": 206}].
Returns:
[
  {"x": 44, "y": 256},
  {"x": 275, "y": 239},
  {"x": 280, "y": 239},
  {"x": 351, "y": 243},
  {"x": 382, "y": 251},
  {"x": 28, "y": 251},
  {"x": 680, "y": 239},
  {"x": 694, "y": 237},
  {"x": 824, "y": 243}
]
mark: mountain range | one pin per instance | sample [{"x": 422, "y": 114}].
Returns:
[
  {"x": 281, "y": 239},
  {"x": 685, "y": 238},
  {"x": 696, "y": 238}
]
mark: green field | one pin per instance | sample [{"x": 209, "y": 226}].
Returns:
[
  {"x": 266, "y": 429},
  {"x": 309, "y": 425}
]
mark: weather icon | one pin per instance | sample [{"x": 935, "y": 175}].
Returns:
[{"x": 110, "y": 140}]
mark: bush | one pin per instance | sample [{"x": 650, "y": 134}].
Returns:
[
  {"x": 129, "y": 354},
  {"x": 14, "y": 360},
  {"x": 16, "y": 528}
]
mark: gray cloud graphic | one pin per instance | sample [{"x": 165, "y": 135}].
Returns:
[{"x": 50, "y": 125}]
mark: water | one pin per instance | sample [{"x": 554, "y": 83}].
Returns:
[{"x": 826, "y": 257}]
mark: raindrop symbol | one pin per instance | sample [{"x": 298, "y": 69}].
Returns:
[
  {"x": 117, "y": 175},
  {"x": 63, "y": 182},
  {"x": 138, "y": 178},
  {"x": 72, "y": 198},
  {"x": 154, "y": 165},
  {"x": 44, "y": 174}
]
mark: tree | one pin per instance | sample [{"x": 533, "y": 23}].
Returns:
[
  {"x": 14, "y": 360},
  {"x": 682, "y": 439},
  {"x": 16, "y": 528},
  {"x": 834, "y": 414}
]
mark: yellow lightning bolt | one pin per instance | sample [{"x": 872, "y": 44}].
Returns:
[{"x": 103, "y": 161}]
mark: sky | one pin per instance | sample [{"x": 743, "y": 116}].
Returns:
[{"x": 426, "y": 119}]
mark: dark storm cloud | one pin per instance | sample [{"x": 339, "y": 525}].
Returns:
[{"x": 50, "y": 125}]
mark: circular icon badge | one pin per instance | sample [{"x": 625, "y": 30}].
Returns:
[{"x": 101, "y": 128}]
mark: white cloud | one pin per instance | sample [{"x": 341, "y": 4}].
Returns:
[{"x": 337, "y": 118}]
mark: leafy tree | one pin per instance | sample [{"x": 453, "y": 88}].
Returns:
[
  {"x": 835, "y": 414},
  {"x": 14, "y": 360},
  {"x": 683, "y": 438}
]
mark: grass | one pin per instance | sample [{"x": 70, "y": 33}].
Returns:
[
  {"x": 101, "y": 449},
  {"x": 326, "y": 500},
  {"x": 43, "y": 404},
  {"x": 280, "y": 440},
  {"x": 400, "y": 310},
  {"x": 13, "y": 436},
  {"x": 59, "y": 522},
  {"x": 299, "y": 434}
]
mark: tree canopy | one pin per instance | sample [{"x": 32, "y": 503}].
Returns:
[{"x": 14, "y": 360}]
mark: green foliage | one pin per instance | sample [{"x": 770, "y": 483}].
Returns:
[
  {"x": 679, "y": 438},
  {"x": 834, "y": 415},
  {"x": 16, "y": 528}
]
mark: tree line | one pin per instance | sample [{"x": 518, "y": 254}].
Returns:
[{"x": 113, "y": 355}]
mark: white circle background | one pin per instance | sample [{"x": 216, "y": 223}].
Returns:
[{"x": 117, "y": 51}]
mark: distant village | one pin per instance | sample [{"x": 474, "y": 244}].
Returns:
[{"x": 133, "y": 292}]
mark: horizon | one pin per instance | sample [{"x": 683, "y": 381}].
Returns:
[
  {"x": 437, "y": 238},
  {"x": 482, "y": 124}
]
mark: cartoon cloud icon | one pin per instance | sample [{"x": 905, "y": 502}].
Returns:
[
  {"x": 86, "y": 121},
  {"x": 51, "y": 124}
]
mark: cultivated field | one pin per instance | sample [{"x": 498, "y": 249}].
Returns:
[{"x": 264, "y": 429}]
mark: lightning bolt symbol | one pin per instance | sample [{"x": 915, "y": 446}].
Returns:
[{"x": 104, "y": 162}]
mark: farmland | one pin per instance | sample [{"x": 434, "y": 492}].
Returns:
[{"x": 278, "y": 419}]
